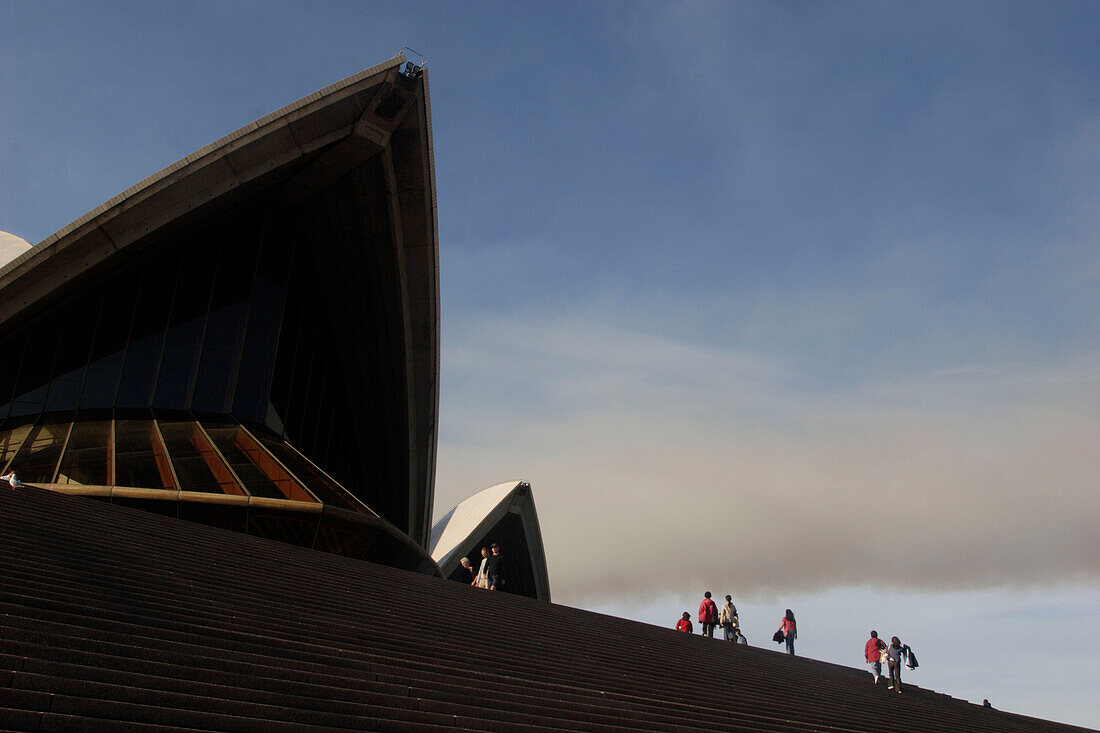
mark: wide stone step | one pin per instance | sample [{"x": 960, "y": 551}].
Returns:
[{"x": 115, "y": 619}]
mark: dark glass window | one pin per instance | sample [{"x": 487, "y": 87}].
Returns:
[
  {"x": 264, "y": 319},
  {"x": 324, "y": 430},
  {"x": 221, "y": 343},
  {"x": 9, "y": 371},
  {"x": 78, "y": 328},
  {"x": 147, "y": 334},
  {"x": 197, "y": 465},
  {"x": 139, "y": 456},
  {"x": 314, "y": 404},
  {"x": 36, "y": 461},
  {"x": 87, "y": 455},
  {"x": 115, "y": 316},
  {"x": 288, "y": 358},
  {"x": 181, "y": 343},
  {"x": 259, "y": 471},
  {"x": 300, "y": 332},
  {"x": 34, "y": 372}
]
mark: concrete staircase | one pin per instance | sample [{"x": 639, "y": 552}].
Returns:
[{"x": 113, "y": 619}]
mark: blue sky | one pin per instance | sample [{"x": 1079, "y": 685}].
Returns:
[{"x": 803, "y": 295}]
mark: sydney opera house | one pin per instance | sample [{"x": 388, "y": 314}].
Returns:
[{"x": 249, "y": 339}]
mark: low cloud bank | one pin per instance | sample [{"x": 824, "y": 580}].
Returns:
[{"x": 661, "y": 467}]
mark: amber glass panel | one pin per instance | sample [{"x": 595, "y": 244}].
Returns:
[
  {"x": 37, "y": 458},
  {"x": 139, "y": 457},
  {"x": 198, "y": 467},
  {"x": 10, "y": 440},
  {"x": 323, "y": 487},
  {"x": 259, "y": 471},
  {"x": 87, "y": 455}
]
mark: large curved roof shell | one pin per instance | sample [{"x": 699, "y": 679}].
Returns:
[
  {"x": 335, "y": 195},
  {"x": 503, "y": 514}
]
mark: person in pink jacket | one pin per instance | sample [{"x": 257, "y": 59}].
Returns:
[
  {"x": 789, "y": 629},
  {"x": 708, "y": 615}
]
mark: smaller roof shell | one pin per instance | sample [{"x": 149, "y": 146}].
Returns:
[{"x": 457, "y": 533}]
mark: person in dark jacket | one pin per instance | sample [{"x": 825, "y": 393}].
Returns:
[
  {"x": 872, "y": 651},
  {"x": 895, "y": 658},
  {"x": 495, "y": 568},
  {"x": 469, "y": 574}
]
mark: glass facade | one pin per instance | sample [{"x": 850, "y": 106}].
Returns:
[
  {"x": 242, "y": 318},
  {"x": 172, "y": 466},
  {"x": 172, "y": 455}
]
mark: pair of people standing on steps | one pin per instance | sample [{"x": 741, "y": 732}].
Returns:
[
  {"x": 710, "y": 616},
  {"x": 491, "y": 573},
  {"x": 895, "y": 654}
]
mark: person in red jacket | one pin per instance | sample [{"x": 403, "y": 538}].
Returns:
[
  {"x": 872, "y": 651},
  {"x": 708, "y": 615},
  {"x": 684, "y": 624}
]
